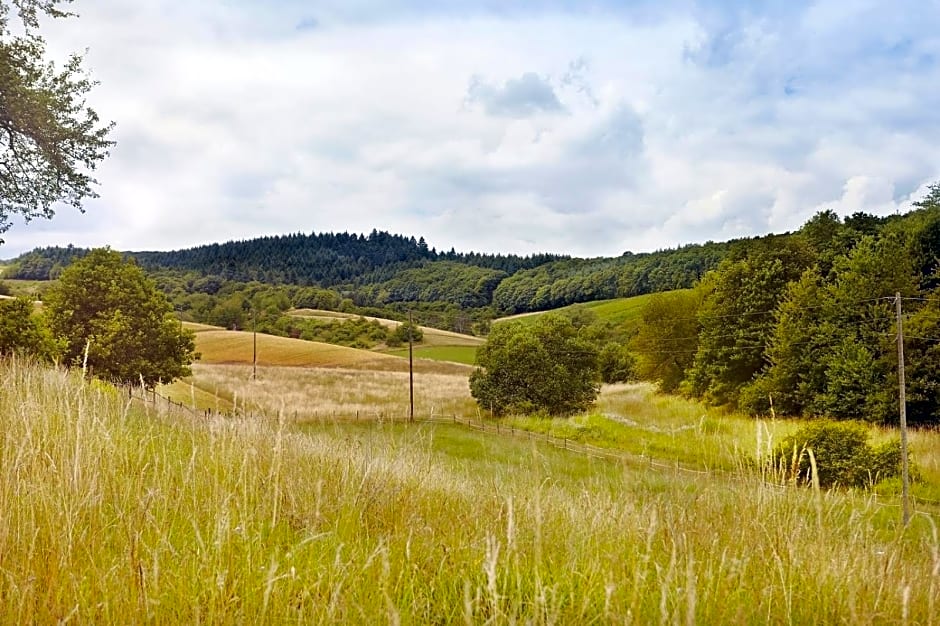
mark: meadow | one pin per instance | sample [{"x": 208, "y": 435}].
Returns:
[
  {"x": 453, "y": 354},
  {"x": 631, "y": 418},
  {"x": 116, "y": 511},
  {"x": 218, "y": 346},
  {"x": 619, "y": 311}
]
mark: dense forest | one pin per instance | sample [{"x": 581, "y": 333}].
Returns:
[
  {"x": 325, "y": 259},
  {"x": 806, "y": 324},
  {"x": 397, "y": 273}
]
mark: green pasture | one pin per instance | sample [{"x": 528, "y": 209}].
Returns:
[
  {"x": 455, "y": 354},
  {"x": 617, "y": 311}
]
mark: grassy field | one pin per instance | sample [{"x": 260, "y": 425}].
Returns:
[
  {"x": 436, "y": 345},
  {"x": 29, "y": 288},
  {"x": 322, "y": 393},
  {"x": 218, "y": 346},
  {"x": 617, "y": 311},
  {"x": 113, "y": 512},
  {"x": 454, "y": 354},
  {"x": 631, "y": 418}
]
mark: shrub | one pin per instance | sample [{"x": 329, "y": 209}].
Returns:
[
  {"x": 543, "y": 367},
  {"x": 843, "y": 455},
  {"x": 399, "y": 336},
  {"x": 615, "y": 364}
]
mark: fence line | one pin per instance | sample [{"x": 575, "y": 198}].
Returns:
[{"x": 563, "y": 443}]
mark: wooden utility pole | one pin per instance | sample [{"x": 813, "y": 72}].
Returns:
[
  {"x": 254, "y": 344},
  {"x": 411, "y": 366},
  {"x": 902, "y": 403}
]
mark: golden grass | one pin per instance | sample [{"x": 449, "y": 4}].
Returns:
[
  {"x": 226, "y": 346},
  {"x": 235, "y": 347},
  {"x": 321, "y": 393},
  {"x": 110, "y": 514}
]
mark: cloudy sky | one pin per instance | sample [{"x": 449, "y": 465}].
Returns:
[{"x": 579, "y": 127}]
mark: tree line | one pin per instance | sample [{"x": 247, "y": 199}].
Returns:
[
  {"x": 804, "y": 324},
  {"x": 395, "y": 274}
]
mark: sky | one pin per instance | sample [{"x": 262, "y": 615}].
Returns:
[{"x": 586, "y": 128}]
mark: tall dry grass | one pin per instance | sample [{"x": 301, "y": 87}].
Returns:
[
  {"x": 322, "y": 393},
  {"x": 112, "y": 514}
]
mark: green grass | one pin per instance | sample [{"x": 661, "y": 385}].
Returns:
[
  {"x": 636, "y": 419},
  {"x": 470, "y": 451},
  {"x": 618, "y": 311},
  {"x": 29, "y": 288},
  {"x": 116, "y": 512},
  {"x": 454, "y": 354}
]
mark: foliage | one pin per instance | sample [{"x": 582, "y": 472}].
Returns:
[
  {"x": 842, "y": 453},
  {"x": 52, "y": 140},
  {"x": 568, "y": 281},
  {"x": 737, "y": 314},
  {"x": 616, "y": 364},
  {"x": 804, "y": 324},
  {"x": 106, "y": 305},
  {"x": 405, "y": 332},
  {"x": 667, "y": 338},
  {"x": 832, "y": 348},
  {"x": 922, "y": 359},
  {"x": 356, "y": 333},
  {"x": 384, "y": 270},
  {"x": 21, "y": 330},
  {"x": 466, "y": 286},
  {"x": 542, "y": 367}
]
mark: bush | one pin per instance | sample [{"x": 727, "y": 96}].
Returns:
[
  {"x": 843, "y": 456},
  {"x": 399, "y": 336},
  {"x": 615, "y": 364},
  {"x": 22, "y": 330},
  {"x": 543, "y": 367}
]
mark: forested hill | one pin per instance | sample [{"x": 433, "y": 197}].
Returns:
[
  {"x": 324, "y": 259},
  {"x": 382, "y": 269}
]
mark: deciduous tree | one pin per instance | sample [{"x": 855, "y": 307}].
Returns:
[
  {"x": 107, "y": 303},
  {"x": 542, "y": 367},
  {"x": 50, "y": 139},
  {"x": 667, "y": 337}
]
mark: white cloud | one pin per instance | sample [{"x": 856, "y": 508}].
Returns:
[{"x": 587, "y": 132}]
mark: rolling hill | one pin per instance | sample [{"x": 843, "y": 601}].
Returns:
[
  {"x": 230, "y": 347},
  {"x": 616, "y": 311}
]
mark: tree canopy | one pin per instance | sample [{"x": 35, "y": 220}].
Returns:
[
  {"x": 107, "y": 304},
  {"x": 50, "y": 139},
  {"x": 804, "y": 324}
]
